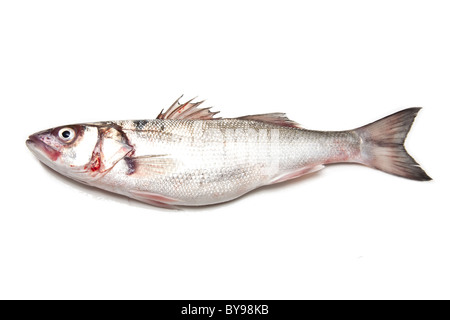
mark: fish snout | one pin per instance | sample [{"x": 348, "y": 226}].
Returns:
[{"x": 41, "y": 143}]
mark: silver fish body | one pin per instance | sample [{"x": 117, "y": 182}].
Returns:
[
  {"x": 199, "y": 162},
  {"x": 186, "y": 157}
]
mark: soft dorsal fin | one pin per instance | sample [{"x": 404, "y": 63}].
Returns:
[
  {"x": 276, "y": 118},
  {"x": 188, "y": 110}
]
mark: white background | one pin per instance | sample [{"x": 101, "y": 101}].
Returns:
[{"x": 345, "y": 232}]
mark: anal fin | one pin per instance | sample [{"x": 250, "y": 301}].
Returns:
[
  {"x": 295, "y": 174},
  {"x": 154, "y": 199}
]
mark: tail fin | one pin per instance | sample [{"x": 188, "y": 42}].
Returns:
[{"x": 383, "y": 149}]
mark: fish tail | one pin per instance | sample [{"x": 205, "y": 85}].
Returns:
[{"x": 382, "y": 145}]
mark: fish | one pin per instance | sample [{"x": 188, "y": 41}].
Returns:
[{"x": 189, "y": 157}]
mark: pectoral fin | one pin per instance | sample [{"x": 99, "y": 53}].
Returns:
[{"x": 150, "y": 165}]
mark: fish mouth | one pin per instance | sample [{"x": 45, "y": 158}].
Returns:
[{"x": 34, "y": 143}]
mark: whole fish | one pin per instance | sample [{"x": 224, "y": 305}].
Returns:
[{"x": 188, "y": 157}]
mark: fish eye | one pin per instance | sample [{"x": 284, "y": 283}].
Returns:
[{"x": 66, "y": 134}]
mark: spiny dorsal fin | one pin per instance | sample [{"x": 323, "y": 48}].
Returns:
[
  {"x": 188, "y": 110},
  {"x": 276, "y": 118}
]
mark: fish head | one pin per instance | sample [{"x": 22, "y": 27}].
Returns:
[
  {"x": 66, "y": 149},
  {"x": 83, "y": 152}
]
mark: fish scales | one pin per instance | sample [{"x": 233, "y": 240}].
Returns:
[
  {"x": 221, "y": 159},
  {"x": 188, "y": 157}
]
